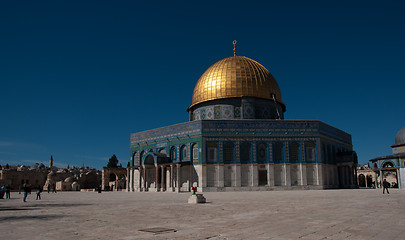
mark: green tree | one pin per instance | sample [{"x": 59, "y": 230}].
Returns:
[{"x": 113, "y": 161}]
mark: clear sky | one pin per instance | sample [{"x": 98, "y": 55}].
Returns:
[{"x": 78, "y": 77}]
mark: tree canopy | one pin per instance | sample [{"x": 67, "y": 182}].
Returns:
[{"x": 113, "y": 161}]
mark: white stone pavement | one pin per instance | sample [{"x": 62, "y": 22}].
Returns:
[{"x": 312, "y": 214}]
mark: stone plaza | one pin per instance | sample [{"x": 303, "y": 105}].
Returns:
[{"x": 300, "y": 214}]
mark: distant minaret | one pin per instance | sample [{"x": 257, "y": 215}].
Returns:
[{"x": 51, "y": 162}]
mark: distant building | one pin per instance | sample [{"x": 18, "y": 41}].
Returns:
[
  {"x": 237, "y": 140},
  {"x": 365, "y": 176},
  {"x": 39, "y": 176},
  {"x": 392, "y": 167},
  {"x": 114, "y": 178}
]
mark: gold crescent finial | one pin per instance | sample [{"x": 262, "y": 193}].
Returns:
[{"x": 234, "y": 47}]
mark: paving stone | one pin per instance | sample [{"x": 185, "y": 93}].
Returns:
[{"x": 322, "y": 214}]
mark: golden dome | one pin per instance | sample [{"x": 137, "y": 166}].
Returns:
[{"x": 236, "y": 76}]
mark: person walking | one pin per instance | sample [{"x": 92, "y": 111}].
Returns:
[
  {"x": 2, "y": 191},
  {"x": 39, "y": 193},
  {"x": 386, "y": 185},
  {"x": 8, "y": 188},
  {"x": 26, "y": 190}
]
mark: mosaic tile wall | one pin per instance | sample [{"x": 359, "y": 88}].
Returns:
[
  {"x": 237, "y": 109},
  {"x": 258, "y": 131}
]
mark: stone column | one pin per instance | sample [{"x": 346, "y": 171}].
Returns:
[
  {"x": 144, "y": 179},
  {"x": 237, "y": 176},
  {"x": 178, "y": 177},
  {"x": 128, "y": 180},
  {"x": 162, "y": 183},
  {"x": 156, "y": 177},
  {"x": 171, "y": 177},
  {"x": 139, "y": 182},
  {"x": 398, "y": 178},
  {"x": 287, "y": 174},
  {"x": 270, "y": 175},
  {"x": 220, "y": 175},
  {"x": 190, "y": 177},
  {"x": 254, "y": 178}
]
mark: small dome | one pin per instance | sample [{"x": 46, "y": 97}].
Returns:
[
  {"x": 236, "y": 77},
  {"x": 400, "y": 137},
  {"x": 52, "y": 174}
]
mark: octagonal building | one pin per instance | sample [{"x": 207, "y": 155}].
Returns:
[{"x": 237, "y": 140}]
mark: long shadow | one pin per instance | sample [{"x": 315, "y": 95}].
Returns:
[
  {"x": 20, "y": 218},
  {"x": 39, "y": 205},
  {"x": 2, "y": 209}
]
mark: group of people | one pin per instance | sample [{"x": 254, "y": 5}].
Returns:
[
  {"x": 5, "y": 190},
  {"x": 26, "y": 189}
]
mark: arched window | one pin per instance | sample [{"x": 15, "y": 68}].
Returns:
[
  {"x": 309, "y": 152},
  {"x": 135, "y": 160},
  {"x": 173, "y": 153},
  {"x": 294, "y": 152},
  {"x": 195, "y": 152},
  {"x": 183, "y": 152},
  {"x": 228, "y": 152},
  {"x": 244, "y": 152},
  {"x": 112, "y": 177},
  {"x": 212, "y": 152},
  {"x": 278, "y": 152},
  {"x": 261, "y": 153},
  {"x": 388, "y": 165},
  {"x": 362, "y": 180}
]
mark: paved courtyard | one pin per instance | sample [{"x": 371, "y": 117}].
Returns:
[{"x": 327, "y": 214}]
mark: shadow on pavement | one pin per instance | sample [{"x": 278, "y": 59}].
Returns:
[{"x": 19, "y": 218}]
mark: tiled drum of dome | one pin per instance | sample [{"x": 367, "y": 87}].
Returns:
[
  {"x": 202, "y": 114},
  {"x": 217, "y": 111},
  {"x": 227, "y": 112},
  {"x": 248, "y": 111},
  {"x": 209, "y": 113},
  {"x": 197, "y": 114},
  {"x": 237, "y": 112}
]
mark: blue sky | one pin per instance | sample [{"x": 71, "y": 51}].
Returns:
[{"x": 78, "y": 77}]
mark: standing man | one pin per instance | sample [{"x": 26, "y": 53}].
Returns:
[
  {"x": 386, "y": 185},
  {"x": 25, "y": 189},
  {"x": 8, "y": 189},
  {"x": 39, "y": 193}
]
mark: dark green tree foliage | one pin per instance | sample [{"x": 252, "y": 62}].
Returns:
[{"x": 112, "y": 162}]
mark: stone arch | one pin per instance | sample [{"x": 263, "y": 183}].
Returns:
[
  {"x": 162, "y": 150},
  {"x": 362, "y": 180},
  {"x": 388, "y": 164},
  {"x": 113, "y": 183},
  {"x": 149, "y": 160},
  {"x": 112, "y": 177}
]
